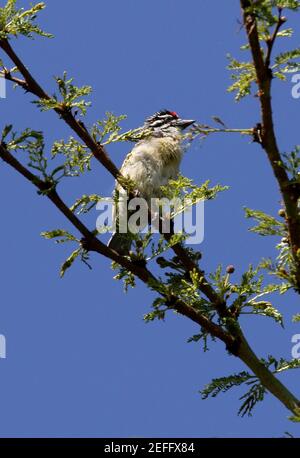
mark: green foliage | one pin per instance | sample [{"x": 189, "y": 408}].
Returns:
[
  {"x": 125, "y": 275},
  {"x": 179, "y": 284},
  {"x": 296, "y": 318},
  {"x": 266, "y": 10},
  {"x": 267, "y": 225},
  {"x": 289, "y": 4},
  {"x": 31, "y": 142},
  {"x": 265, "y": 308},
  {"x": 72, "y": 97},
  {"x": 285, "y": 33},
  {"x": 283, "y": 267},
  {"x": 85, "y": 203},
  {"x": 185, "y": 287},
  {"x": 203, "y": 337},
  {"x": 18, "y": 21},
  {"x": 287, "y": 56},
  {"x": 264, "y": 34},
  {"x": 283, "y": 364},
  {"x": 108, "y": 127},
  {"x": 221, "y": 282},
  {"x": 69, "y": 261},
  {"x": 255, "y": 394},
  {"x": 243, "y": 75},
  {"x": 256, "y": 391},
  {"x": 263, "y": 10},
  {"x": 246, "y": 296},
  {"x": 7, "y": 129},
  {"x": 159, "y": 310},
  {"x": 291, "y": 164},
  {"x": 108, "y": 131},
  {"x": 188, "y": 289},
  {"x": 285, "y": 63},
  {"x": 223, "y": 384},
  {"x": 22, "y": 141},
  {"x": 188, "y": 194},
  {"x": 77, "y": 157},
  {"x": 184, "y": 187},
  {"x": 268, "y": 13},
  {"x": 63, "y": 236},
  {"x": 185, "y": 194}
]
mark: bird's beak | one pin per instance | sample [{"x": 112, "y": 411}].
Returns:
[{"x": 184, "y": 123}]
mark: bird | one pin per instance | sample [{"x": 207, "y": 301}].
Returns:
[{"x": 153, "y": 161}]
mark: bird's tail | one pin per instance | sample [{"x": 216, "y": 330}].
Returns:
[{"x": 121, "y": 243}]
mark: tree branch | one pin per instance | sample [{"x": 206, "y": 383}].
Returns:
[
  {"x": 271, "y": 41},
  {"x": 96, "y": 245},
  {"x": 268, "y": 139},
  {"x": 266, "y": 377},
  {"x": 234, "y": 340},
  {"x": 31, "y": 85}
]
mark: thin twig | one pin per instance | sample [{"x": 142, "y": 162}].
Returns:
[{"x": 271, "y": 41}]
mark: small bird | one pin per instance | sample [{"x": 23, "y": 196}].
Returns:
[{"x": 152, "y": 162}]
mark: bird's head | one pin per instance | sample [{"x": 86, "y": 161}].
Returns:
[{"x": 167, "y": 122}]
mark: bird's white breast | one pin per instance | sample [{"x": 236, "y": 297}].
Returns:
[{"x": 152, "y": 163}]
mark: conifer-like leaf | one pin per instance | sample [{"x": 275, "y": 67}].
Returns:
[
  {"x": 72, "y": 96},
  {"x": 268, "y": 225},
  {"x": 125, "y": 275},
  {"x": 68, "y": 263},
  {"x": 85, "y": 203},
  {"x": 77, "y": 158},
  {"x": 244, "y": 75},
  {"x": 18, "y": 21},
  {"x": 255, "y": 394},
  {"x": 223, "y": 384},
  {"x": 185, "y": 193},
  {"x": 60, "y": 234}
]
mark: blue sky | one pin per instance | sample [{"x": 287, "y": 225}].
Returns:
[{"x": 80, "y": 360}]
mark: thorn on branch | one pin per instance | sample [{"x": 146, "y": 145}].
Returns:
[
  {"x": 87, "y": 244},
  {"x": 257, "y": 134},
  {"x": 294, "y": 191},
  {"x": 46, "y": 187},
  {"x": 233, "y": 347},
  {"x": 270, "y": 73},
  {"x": 139, "y": 262}
]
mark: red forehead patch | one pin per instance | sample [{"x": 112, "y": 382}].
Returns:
[{"x": 173, "y": 113}]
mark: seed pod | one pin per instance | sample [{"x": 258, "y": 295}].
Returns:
[
  {"x": 282, "y": 213},
  {"x": 230, "y": 269}
]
